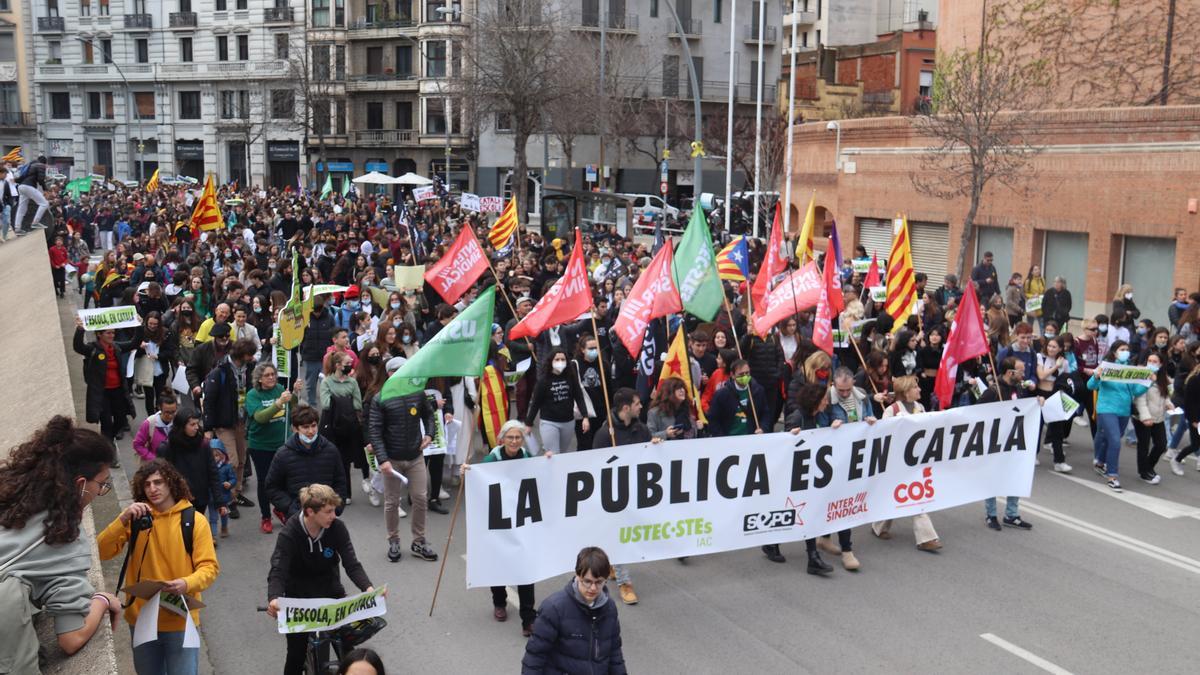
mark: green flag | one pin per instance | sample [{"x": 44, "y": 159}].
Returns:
[
  {"x": 327, "y": 189},
  {"x": 459, "y": 349},
  {"x": 79, "y": 185},
  {"x": 345, "y": 187},
  {"x": 695, "y": 269}
]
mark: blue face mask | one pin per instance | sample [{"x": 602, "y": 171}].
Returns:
[
  {"x": 1123, "y": 355},
  {"x": 353, "y": 305},
  {"x": 307, "y": 440}
]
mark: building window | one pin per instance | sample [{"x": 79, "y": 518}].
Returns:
[
  {"x": 320, "y": 117},
  {"x": 339, "y": 17},
  {"x": 60, "y": 105},
  {"x": 283, "y": 104},
  {"x": 435, "y": 116},
  {"x": 142, "y": 47},
  {"x": 189, "y": 105},
  {"x": 242, "y": 4},
  {"x": 341, "y": 118},
  {"x": 235, "y": 105},
  {"x": 653, "y": 9},
  {"x": 222, "y": 47},
  {"x": 404, "y": 61},
  {"x": 339, "y": 63},
  {"x": 143, "y": 101},
  {"x": 670, "y": 72},
  {"x": 503, "y": 122},
  {"x": 404, "y": 116},
  {"x": 51, "y": 7},
  {"x": 54, "y": 47},
  {"x": 435, "y": 62},
  {"x": 374, "y": 60},
  {"x": 106, "y": 50},
  {"x": 320, "y": 13},
  {"x": 374, "y": 114},
  {"x": 9, "y": 103},
  {"x": 716, "y": 11},
  {"x": 103, "y": 7},
  {"x": 4, "y": 6},
  {"x": 431, "y": 10},
  {"x": 8, "y": 49},
  {"x": 88, "y": 52},
  {"x": 404, "y": 10},
  {"x": 281, "y": 46},
  {"x": 104, "y": 155},
  {"x": 100, "y": 105},
  {"x": 85, "y": 7},
  {"x": 220, "y": 6},
  {"x": 320, "y": 61},
  {"x": 243, "y": 47},
  {"x": 185, "y": 5},
  {"x": 185, "y": 49}
]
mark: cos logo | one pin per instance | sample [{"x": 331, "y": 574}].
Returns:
[{"x": 916, "y": 491}]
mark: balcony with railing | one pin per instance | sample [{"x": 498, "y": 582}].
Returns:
[
  {"x": 692, "y": 28},
  {"x": 385, "y": 137},
  {"x": 382, "y": 82},
  {"x": 142, "y": 21},
  {"x": 51, "y": 24},
  {"x": 801, "y": 19},
  {"x": 183, "y": 19},
  {"x": 750, "y": 34},
  {"x": 11, "y": 120},
  {"x": 374, "y": 29},
  {"x": 277, "y": 15},
  {"x": 617, "y": 23}
]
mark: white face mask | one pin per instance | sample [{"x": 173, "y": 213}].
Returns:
[
  {"x": 559, "y": 366},
  {"x": 1129, "y": 296}
]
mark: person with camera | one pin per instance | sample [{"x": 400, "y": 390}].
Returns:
[
  {"x": 43, "y": 561},
  {"x": 167, "y": 543},
  {"x": 305, "y": 563}
]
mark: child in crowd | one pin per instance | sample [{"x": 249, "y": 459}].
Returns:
[{"x": 225, "y": 495}]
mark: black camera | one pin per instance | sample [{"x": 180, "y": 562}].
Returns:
[{"x": 142, "y": 523}]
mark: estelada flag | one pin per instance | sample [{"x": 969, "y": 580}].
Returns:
[
  {"x": 773, "y": 263},
  {"x": 653, "y": 295},
  {"x": 460, "y": 268},
  {"x": 733, "y": 261},
  {"x": 207, "y": 214},
  {"x": 967, "y": 340},
  {"x": 901, "y": 279},
  {"x": 569, "y": 297},
  {"x": 504, "y": 227},
  {"x": 493, "y": 408},
  {"x": 677, "y": 365}
]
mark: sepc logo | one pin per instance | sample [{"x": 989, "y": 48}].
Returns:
[{"x": 916, "y": 492}]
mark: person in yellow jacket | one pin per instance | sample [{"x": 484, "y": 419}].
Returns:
[{"x": 159, "y": 554}]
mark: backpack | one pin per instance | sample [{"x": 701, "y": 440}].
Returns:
[
  {"x": 339, "y": 419},
  {"x": 22, "y": 170},
  {"x": 187, "y": 523}
]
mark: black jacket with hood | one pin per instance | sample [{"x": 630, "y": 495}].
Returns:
[
  {"x": 307, "y": 567},
  {"x": 295, "y": 466}
]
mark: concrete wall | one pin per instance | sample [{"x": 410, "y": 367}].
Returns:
[{"x": 38, "y": 386}]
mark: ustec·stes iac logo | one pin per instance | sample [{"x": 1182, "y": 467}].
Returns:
[{"x": 916, "y": 492}]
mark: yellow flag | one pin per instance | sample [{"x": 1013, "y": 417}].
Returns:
[
  {"x": 677, "y": 365},
  {"x": 804, "y": 246},
  {"x": 152, "y": 184}
]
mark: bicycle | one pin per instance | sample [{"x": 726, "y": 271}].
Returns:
[{"x": 339, "y": 642}]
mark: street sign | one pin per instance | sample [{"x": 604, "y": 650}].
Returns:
[
  {"x": 662, "y": 187},
  {"x": 662, "y": 171},
  {"x": 590, "y": 173}
]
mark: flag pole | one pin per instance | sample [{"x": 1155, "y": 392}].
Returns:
[
  {"x": 612, "y": 433},
  {"x": 732, "y": 326},
  {"x": 862, "y": 361},
  {"x": 446, "y": 552},
  {"x": 504, "y": 292},
  {"x": 738, "y": 344}
]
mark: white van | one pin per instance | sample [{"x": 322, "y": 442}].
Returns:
[{"x": 648, "y": 207}]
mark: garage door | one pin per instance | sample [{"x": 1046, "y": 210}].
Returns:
[
  {"x": 1149, "y": 266},
  {"x": 1065, "y": 255},
  {"x": 930, "y": 244},
  {"x": 998, "y": 240}
]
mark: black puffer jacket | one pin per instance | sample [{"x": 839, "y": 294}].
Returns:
[
  {"x": 295, "y": 466},
  {"x": 318, "y": 336},
  {"x": 765, "y": 358},
  {"x": 570, "y": 637},
  {"x": 392, "y": 428},
  {"x": 197, "y": 467}
]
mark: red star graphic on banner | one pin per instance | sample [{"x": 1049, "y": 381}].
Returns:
[{"x": 797, "y": 508}]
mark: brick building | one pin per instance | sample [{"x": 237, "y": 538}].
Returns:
[{"x": 1115, "y": 201}]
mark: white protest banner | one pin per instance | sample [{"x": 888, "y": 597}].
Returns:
[
  {"x": 110, "y": 317},
  {"x": 1118, "y": 372},
  {"x": 323, "y": 289},
  {"x": 409, "y": 277},
  {"x": 681, "y": 498},
  {"x": 305, "y": 615},
  {"x": 1033, "y": 304},
  {"x": 438, "y": 445},
  {"x": 1059, "y": 408},
  {"x": 423, "y": 193},
  {"x": 469, "y": 202},
  {"x": 879, "y": 294},
  {"x": 840, "y": 338},
  {"x": 283, "y": 361},
  {"x": 147, "y": 630},
  {"x": 491, "y": 204}
]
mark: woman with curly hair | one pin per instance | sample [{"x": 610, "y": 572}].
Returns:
[{"x": 44, "y": 486}]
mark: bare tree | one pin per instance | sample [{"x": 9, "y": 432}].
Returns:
[
  {"x": 773, "y": 148},
  {"x": 510, "y": 62},
  {"x": 312, "y": 71},
  {"x": 575, "y": 114},
  {"x": 247, "y": 121},
  {"x": 984, "y": 103}
]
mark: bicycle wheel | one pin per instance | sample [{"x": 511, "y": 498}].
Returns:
[{"x": 312, "y": 658}]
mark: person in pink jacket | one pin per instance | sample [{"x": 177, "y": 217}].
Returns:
[{"x": 155, "y": 428}]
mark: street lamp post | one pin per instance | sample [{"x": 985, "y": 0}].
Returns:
[
  {"x": 697, "y": 170},
  {"x": 141, "y": 146}
]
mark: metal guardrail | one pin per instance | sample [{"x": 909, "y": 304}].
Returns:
[
  {"x": 183, "y": 19},
  {"x": 17, "y": 119},
  {"x": 277, "y": 15},
  {"x": 139, "y": 21},
  {"x": 751, "y": 33},
  {"x": 615, "y": 21},
  {"x": 51, "y": 24}
]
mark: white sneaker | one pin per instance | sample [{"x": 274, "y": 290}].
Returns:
[
  {"x": 1080, "y": 422},
  {"x": 1153, "y": 481},
  {"x": 442, "y": 494},
  {"x": 1046, "y": 446},
  {"x": 1037, "y": 461},
  {"x": 1198, "y": 462},
  {"x": 1176, "y": 467},
  {"x": 373, "y": 497},
  {"x": 1171, "y": 453},
  {"x": 366, "y": 486},
  {"x": 401, "y": 511},
  {"x": 1062, "y": 467}
]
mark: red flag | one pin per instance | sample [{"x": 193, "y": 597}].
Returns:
[
  {"x": 569, "y": 297},
  {"x": 773, "y": 263},
  {"x": 653, "y": 295},
  {"x": 872, "y": 279},
  {"x": 966, "y": 341},
  {"x": 833, "y": 282},
  {"x": 459, "y": 268},
  {"x": 798, "y": 292},
  {"x": 822, "y": 335}
]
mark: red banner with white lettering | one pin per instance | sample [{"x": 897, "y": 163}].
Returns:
[
  {"x": 462, "y": 265},
  {"x": 797, "y": 293},
  {"x": 653, "y": 295},
  {"x": 967, "y": 340},
  {"x": 569, "y": 297}
]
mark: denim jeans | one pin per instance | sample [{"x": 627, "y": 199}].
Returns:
[
  {"x": 1108, "y": 440},
  {"x": 312, "y": 372},
  {"x": 1181, "y": 428},
  {"x": 1010, "y": 507},
  {"x": 165, "y": 656}
]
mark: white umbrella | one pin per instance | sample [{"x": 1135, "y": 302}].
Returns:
[
  {"x": 374, "y": 178},
  {"x": 413, "y": 179}
]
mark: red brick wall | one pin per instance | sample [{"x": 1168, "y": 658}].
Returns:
[
  {"x": 879, "y": 73},
  {"x": 1108, "y": 192}
]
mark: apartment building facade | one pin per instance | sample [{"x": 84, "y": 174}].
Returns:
[
  {"x": 188, "y": 87},
  {"x": 17, "y": 123}
]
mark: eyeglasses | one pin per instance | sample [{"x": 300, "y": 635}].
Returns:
[
  {"x": 590, "y": 583},
  {"x": 105, "y": 487}
]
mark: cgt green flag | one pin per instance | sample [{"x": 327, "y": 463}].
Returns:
[
  {"x": 78, "y": 186},
  {"x": 327, "y": 188},
  {"x": 459, "y": 349},
  {"x": 695, "y": 270}
]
